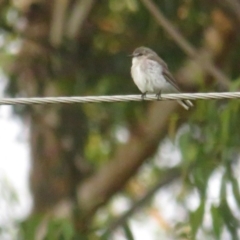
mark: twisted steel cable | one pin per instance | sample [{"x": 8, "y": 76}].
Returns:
[{"x": 118, "y": 98}]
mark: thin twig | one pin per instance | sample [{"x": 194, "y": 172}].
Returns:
[
  {"x": 208, "y": 66},
  {"x": 79, "y": 14}
]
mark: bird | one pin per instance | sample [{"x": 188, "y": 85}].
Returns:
[{"x": 151, "y": 75}]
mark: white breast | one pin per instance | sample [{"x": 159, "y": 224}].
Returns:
[
  {"x": 138, "y": 75},
  {"x": 147, "y": 75}
]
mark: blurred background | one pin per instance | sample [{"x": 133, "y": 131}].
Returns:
[{"x": 143, "y": 170}]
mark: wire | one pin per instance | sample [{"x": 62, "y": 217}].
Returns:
[{"x": 118, "y": 98}]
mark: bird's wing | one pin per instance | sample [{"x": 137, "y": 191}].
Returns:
[
  {"x": 169, "y": 77},
  {"x": 165, "y": 71}
]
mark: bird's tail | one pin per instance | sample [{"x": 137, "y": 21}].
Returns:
[{"x": 185, "y": 103}]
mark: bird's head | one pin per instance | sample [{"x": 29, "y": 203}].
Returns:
[{"x": 142, "y": 51}]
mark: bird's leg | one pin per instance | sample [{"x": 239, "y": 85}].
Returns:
[
  {"x": 158, "y": 95},
  {"x": 144, "y": 95}
]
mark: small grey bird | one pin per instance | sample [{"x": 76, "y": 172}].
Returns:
[{"x": 151, "y": 75}]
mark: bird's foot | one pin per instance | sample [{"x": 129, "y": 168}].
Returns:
[
  {"x": 158, "y": 95},
  {"x": 144, "y": 95}
]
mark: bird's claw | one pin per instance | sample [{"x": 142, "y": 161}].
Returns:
[
  {"x": 158, "y": 95},
  {"x": 144, "y": 95}
]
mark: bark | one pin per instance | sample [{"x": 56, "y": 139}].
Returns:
[{"x": 57, "y": 133}]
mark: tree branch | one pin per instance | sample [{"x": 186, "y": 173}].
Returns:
[
  {"x": 234, "y": 6},
  {"x": 80, "y": 12},
  {"x": 56, "y": 32},
  {"x": 207, "y": 66},
  {"x": 96, "y": 190},
  {"x": 168, "y": 178}
]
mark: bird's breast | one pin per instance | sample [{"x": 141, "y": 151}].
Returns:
[{"x": 138, "y": 75}]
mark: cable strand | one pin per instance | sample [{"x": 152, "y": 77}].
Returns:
[{"x": 118, "y": 98}]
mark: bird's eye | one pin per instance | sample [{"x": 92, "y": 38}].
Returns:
[{"x": 139, "y": 54}]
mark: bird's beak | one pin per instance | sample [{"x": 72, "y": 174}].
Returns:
[{"x": 130, "y": 55}]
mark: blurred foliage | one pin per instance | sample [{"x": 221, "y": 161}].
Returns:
[{"x": 97, "y": 63}]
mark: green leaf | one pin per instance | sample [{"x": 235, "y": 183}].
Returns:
[
  {"x": 188, "y": 149},
  {"x": 223, "y": 188},
  {"x": 196, "y": 217},
  {"x": 128, "y": 232},
  {"x": 105, "y": 236},
  {"x": 29, "y": 227},
  {"x": 225, "y": 119},
  {"x": 235, "y": 85},
  {"x": 217, "y": 221},
  {"x": 230, "y": 221},
  {"x": 60, "y": 229},
  {"x": 235, "y": 189}
]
